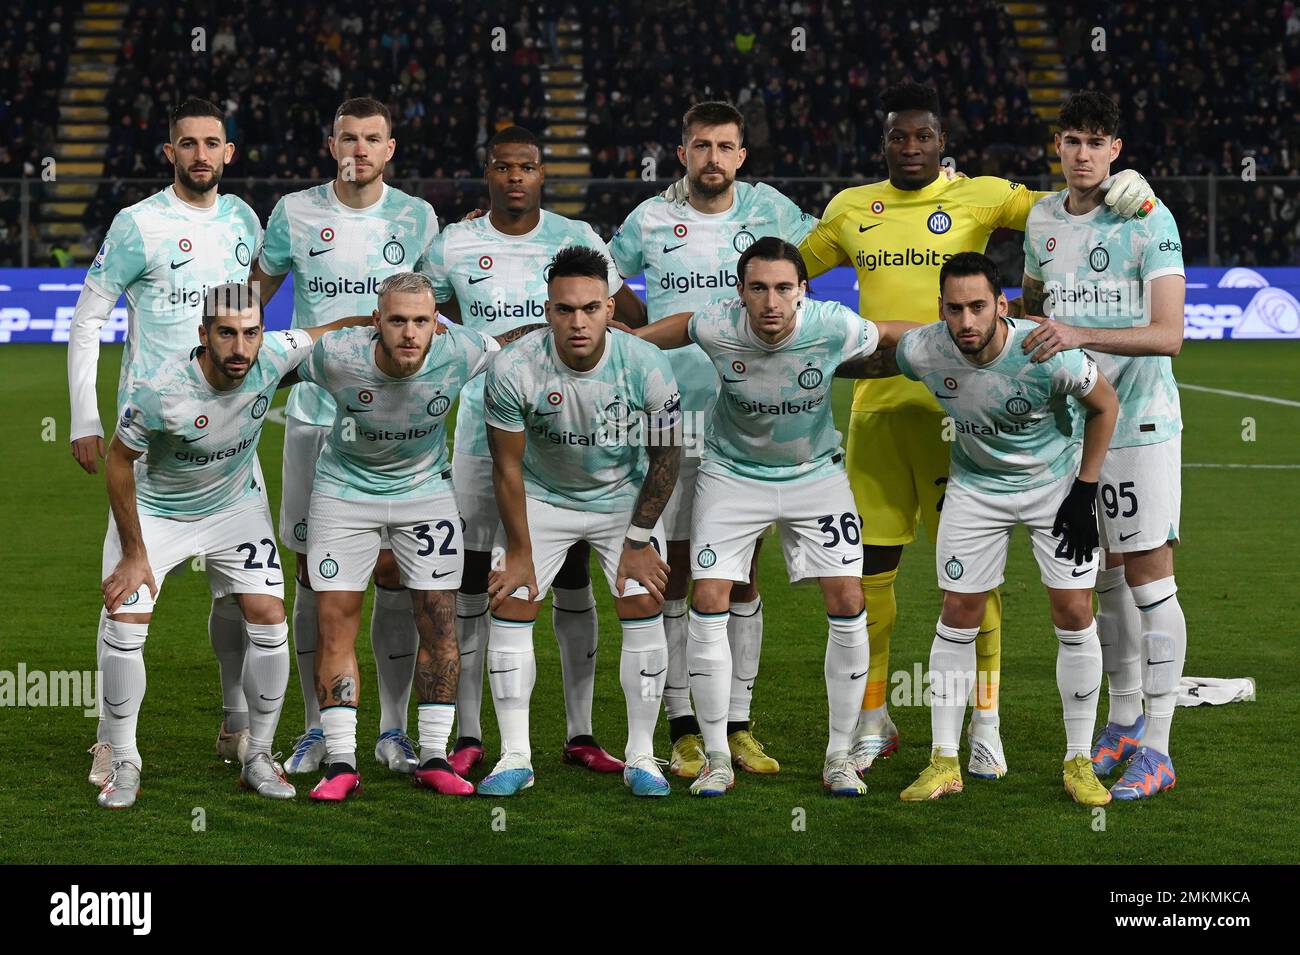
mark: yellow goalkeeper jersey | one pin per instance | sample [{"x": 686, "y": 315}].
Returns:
[{"x": 897, "y": 240}]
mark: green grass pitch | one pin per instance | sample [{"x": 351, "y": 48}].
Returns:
[{"x": 1235, "y": 570}]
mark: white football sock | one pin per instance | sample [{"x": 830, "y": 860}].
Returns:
[
  {"x": 642, "y": 665},
  {"x": 708, "y": 659},
  {"x": 435, "y": 721},
  {"x": 577, "y": 631},
  {"x": 847, "y": 656},
  {"x": 340, "y": 726},
  {"x": 1078, "y": 677},
  {"x": 512, "y": 672},
  {"x": 952, "y": 674},
  {"x": 226, "y": 633},
  {"x": 1119, "y": 629},
  {"x": 265, "y": 679},
  {"x": 101, "y": 729},
  {"x": 1164, "y": 648},
  {"x": 122, "y": 664},
  {"x": 677, "y": 685},
  {"x": 745, "y": 638},
  {"x": 305, "y": 628},
  {"x": 471, "y": 637},
  {"x": 394, "y": 639}
]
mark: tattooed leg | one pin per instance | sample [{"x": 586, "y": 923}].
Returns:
[{"x": 437, "y": 664}]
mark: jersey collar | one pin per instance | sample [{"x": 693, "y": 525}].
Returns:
[
  {"x": 531, "y": 234},
  {"x": 186, "y": 209},
  {"x": 936, "y": 188},
  {"x": 347, "y": 210}
]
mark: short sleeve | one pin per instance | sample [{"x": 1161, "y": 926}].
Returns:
[
  {"x": 820, "y": 248},
  {"x": 276, "y": 257},
  {"x": 503, "y": 407},
  {"x": 1033, "y": 266},
  {"x": 1073, "y": 373},
  {"x": 906, "y": 351},
  {"x": 701, "y": 326},
  {"x": 120, "y": 260},
  {"x": 1163, "y": 252},
  {"x": 861, "y": 337},
  {"x": 479, "y": 349},
  {"x": 286, "y": 350},
  {"x": 793, "y": 224},
  {"x": 432, "y": 263},
  {"x": 627, "y": 249},
  {"x": 660, "y": 398},
  {"x": 141, "y": 418},
  {"x": 316, "y": 366}
]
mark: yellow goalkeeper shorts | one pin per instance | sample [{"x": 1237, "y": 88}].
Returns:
[{"x": 898, "y": 467}]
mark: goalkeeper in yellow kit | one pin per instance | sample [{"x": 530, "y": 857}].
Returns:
[{"x": 897, "y": 235}]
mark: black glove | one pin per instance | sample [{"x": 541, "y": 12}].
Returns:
[{"x": 1076, "y": 522}]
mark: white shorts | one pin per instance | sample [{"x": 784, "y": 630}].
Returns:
[
  {"x": 554, "y": 530},
  {"x": 236, "y": 546},
  {"x": 424, "y": 535},
  {"x": 302, "y": 446},
  {"x": 681, "y": 505},
  {"x": 975, "y": 533},
  {"x": 1140, "y": 496},
  {"x": 471, "y": 476},
  {"x": 821, "y": 533}
]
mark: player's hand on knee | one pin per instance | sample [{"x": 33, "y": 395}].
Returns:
[
  {"x": 125, "y": 580},
  {"x": 503, "y": 581},
  {"x": 646, "y": 567},
  {"x": 88, "y": 451}
]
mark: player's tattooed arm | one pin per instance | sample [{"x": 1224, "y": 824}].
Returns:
[
  {"x": 670, "y": 332},
  {"x": 517, "y": 333},
  {"x": 881, "y": 363},
  {"x": 437, "y": 665},
  {"x": 629, "y": 309},
  {"x": 1032, "y": 301},
  {"x": 660, "y": 479},
  {"x": 133, "y": 568}
]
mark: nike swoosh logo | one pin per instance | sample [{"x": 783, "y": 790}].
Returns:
[
  {"x": 192, "y": 440},
  {"x": 445, "y": 573},
  {"x": 544, "y": 414},
  {"x": 511, "y": 670},
  {"x": 1089, "y": 693},
  {"x": 868, "y": 228},
  {"x": 849, "y": 560},
  {"x": 1077, "y": 573},
  {"x": 273, "y": 583},
  {"x": 401, "y": 656},
  {"x": 356, "y": 410},
  {"x": 118, "y": 703},
  {"x": 465, "y": 653},
  {"x": 1124, "y": 537},
  {"x": 481, "y": 278},
  {"x": 271, "y": 699},
  {"x": 643, "y": 673},
  {"x": 315, "y": 252},
  {"x": 177, "y": 265},
  {"x": 940, "y": 696},
  {"x": 857, "y": 676},
  {"x": 672, "y": 248},
  {"x": 689, "y": 673},
  {"x": 732, "y": 381},
  {"x": 937, "y": 395},
  {"x": 750, "y": 687},
  {"x": 592, "y": 653},
  {"x": 1156, "y": 663},
  {"x": 305, "y": 653},
  {"x": 1045, "y": 261}
]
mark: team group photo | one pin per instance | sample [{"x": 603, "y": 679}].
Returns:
[{"x": 543, "y": 433}]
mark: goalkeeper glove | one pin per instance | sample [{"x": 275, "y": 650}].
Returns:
[
  {"x": 1076, "y": 522},
  {"x": 1129, "y": 194},
  {"x": 678, "y": 192}
]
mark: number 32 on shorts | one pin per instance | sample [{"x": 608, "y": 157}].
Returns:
[{"x": 847, "y": 525}]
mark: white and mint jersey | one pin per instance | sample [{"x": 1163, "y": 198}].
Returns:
[
  {"x": 689, "y": 260},
  {"x": 499, "y": 281},
  {"x": 773, "y": 420},
  {"x": 586, "y": 430},
  {"x": 1015, "y": 426},
  {"x": 339, "y": 256},
  {"x": 1093, "y": 268},
  {"x": 389, "y": 434},
  {"x": 200, "y": 444},
  {"x": 164, "y": 254}
]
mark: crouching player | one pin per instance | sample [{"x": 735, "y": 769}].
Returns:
[
  {"x": 567, "y": 413},
  {"x": 384, "y": 468},
  {"x": 197, "y": 422},
  {"x": 772, "y": 455},
  {"x": 1016, "y": 460}
]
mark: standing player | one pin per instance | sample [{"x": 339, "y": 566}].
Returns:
[
  {"x": 1016, "y": 460},
  {"x": 772, "y": 455},
  {"x": 896, "y": 235},
  {"x": 192, "y": 427},
  {"x": 340, "y": 240},
  {"x": 567, "y": 413},
  {"x": 164, "y": 253},
  {"x": 383, "y": 472},
  {"x": 688, "y": 252},
  {"x": 1117, "y": 288},
  {"x": 489, "y": 274}
]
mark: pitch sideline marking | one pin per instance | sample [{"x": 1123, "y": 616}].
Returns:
[
  {"x": 1260, "y": 467},
  {"x": 1241, "y": 394}
]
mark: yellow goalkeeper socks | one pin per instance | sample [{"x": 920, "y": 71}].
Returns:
[
  {"x": 882, "y": 611},
  {"x": 988, "y": 660}
]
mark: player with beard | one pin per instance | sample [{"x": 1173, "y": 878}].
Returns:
[
  {"x": 896, "y": 235},
  {"x": 164, "y": 253},
  {"x": 688, "y": 251},
  {"x": 489, "y": 274},
  {"x": 340, "y": 240}
]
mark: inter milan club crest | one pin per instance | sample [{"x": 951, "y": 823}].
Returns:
[
  {"x": 1098, "y": 259},
  {"x": 939, "y": 222},
  {"x": 706, "y": 557},
  {"x": 743, "y": 240},
  {"x": 1018, "y": 405},
  {"x": 438, "y": 406},
  {"x": 242, "y": 255},
  {"x": 260, "y": 406},
  {"x": 329, "y": 568},
  {"x": 393, "y": 252},
  {"x": 953, "y": 568},
  {"x": 300, "y": 531},
  {"x": 810, "y": 378}
]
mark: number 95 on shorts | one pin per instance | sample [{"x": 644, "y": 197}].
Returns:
[{"x": 344, "y": 537}]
